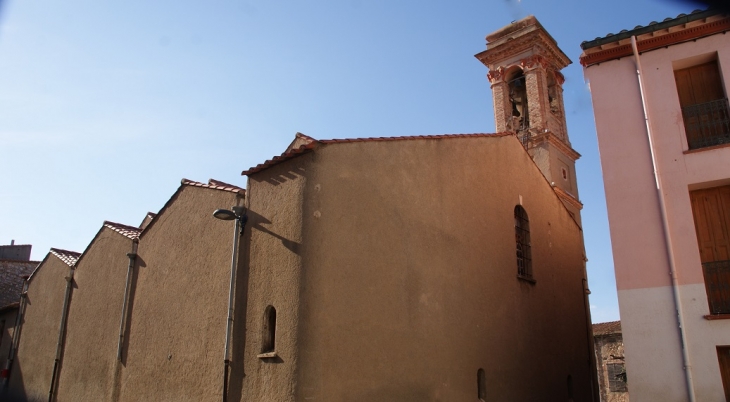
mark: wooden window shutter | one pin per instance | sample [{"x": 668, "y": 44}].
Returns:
[
  {"x": 699, "y": 84},
  {"x": 711, "y": 211}
]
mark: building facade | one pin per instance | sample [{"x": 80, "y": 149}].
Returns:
[
  {"x": 609, "y": 346},
  {"x": 34, "y": 362},
  {"x": 15, "y": 267},
  {"x": 447, "y": 267},
  {"x": 405, "y": 255},
  {"x": 660, "y": 102}
]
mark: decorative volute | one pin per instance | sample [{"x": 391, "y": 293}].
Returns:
[{"x": 524, "y": 64}]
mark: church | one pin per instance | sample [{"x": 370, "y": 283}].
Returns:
[{"x": 440, "y": 268}]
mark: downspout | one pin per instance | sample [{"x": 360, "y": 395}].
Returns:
[
  {"x": 592, "y": 364},
  {"x": 61, "y": 330},
  {"x": 16, "y": 333},
  {"x": 130, "y": 268},
  {"x": 665, "y": 226},
  {"x": 241, "y": 220}
]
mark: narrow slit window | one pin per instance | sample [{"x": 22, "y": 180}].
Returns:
[
  {"x": 482, "y": 385},
  {"x": 522, "y": 240},
  {"x": 269, "y": 341}
]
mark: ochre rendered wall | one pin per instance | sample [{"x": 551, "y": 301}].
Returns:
[
  {"x": 179, "y": 302},
  {"x": 89, "y": 367},
  {"x": 408, "y": 276},
  {"x": 275, "y": 201},
  {"x": 32, "y": 369}
]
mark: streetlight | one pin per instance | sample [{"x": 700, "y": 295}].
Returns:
[{"x": 239, "y": 215}]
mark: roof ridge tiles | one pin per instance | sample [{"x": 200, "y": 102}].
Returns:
[
  {"x": 651, "y": 27},
  {"x": 413, "y": 137},
  {"x": 67, "y": 256},
  {"x": 230, "y": 188},
  {"x": 310, "y": 146},
  {"x": 219, "y": 183},
  {"x": 605, "y": 328},
  {"x": 129, "y": 231}
]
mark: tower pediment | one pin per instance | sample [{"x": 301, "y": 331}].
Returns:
[{"x": 522, "y": 39}]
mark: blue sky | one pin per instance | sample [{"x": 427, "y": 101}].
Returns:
[{"x": 105, "y": 106}]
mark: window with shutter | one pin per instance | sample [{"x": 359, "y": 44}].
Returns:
[
  {"x": 711, "y": 212},
  {"x": 723, "y": 357},
  {"x": 704, "y": 105}
]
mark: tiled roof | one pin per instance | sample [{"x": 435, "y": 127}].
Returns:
[
  {"x": 9, "y": 306},
  {"x": 125, "y": 230},
  {"x": 652, "y": 27},
  {"x": 605, "y": 328},
  {"x": 656, "y": 35},
  {"x": 12, "y": 276},
  {"x": 281, "y": 158},
  {"x": 69, "y": 257},
  {"x": 214, "y": 182},
  {"x": 311, "y": 146},
  {"x": 213, "y": 185}
]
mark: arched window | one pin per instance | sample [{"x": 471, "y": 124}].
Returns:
[
  {"x": 522, "y": 238},
  {"x": 481, "y": 385},
  {"x": 269, "y": 333},
  {"x": 518, "y": 100}
]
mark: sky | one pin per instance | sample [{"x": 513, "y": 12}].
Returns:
[{"x": 106, "y": 105}]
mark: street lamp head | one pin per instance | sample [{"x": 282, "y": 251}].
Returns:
[{"x": 224, "y": 214}]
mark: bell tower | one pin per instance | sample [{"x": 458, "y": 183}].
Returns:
[{"x": 524, "y": 64}]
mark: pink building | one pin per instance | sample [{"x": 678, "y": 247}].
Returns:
[{"x": 660, "y": 100}]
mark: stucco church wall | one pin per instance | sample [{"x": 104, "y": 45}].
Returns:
[
  {"x": 409, "y": 276},
  {"x": 179, "y": 299},
  {"x": 275, "y": 201},
  {"x": 32, "y": 369},
  {"x": 89, "y": 365}
]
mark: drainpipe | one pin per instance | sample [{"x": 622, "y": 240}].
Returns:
[
  {"x": 16, "y": 333},
  {"x": 130, "y": 268},
  {"x": 241, "y": 220},
  {"x": 61, "y": 330},
  {"x": 665, "y": 226},
  {"x": 592, "y": 364}
]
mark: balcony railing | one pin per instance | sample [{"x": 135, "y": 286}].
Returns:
[
  {"x": 717, "y": 283},
  {"x": 707, "y": 124}
]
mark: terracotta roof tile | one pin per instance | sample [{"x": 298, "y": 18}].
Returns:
[
  {"x": 69, "y": 257},
  {"x": 656, "y": 35},
  {"x": 12, "y": 276},
  {"x": 311, "y": 145},
  {"x": 125, "y": 230},
  {"x": 214, "y": 182},
  {"x": 225, "y": 187},
  {"x": 605, "y": 328},
  {"x": 651, "y": 27}
]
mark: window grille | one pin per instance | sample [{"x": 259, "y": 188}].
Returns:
[
  {"x": 616, "y": 377},
  {"x": 522, "y": 238},
  {"x": 717, "y": 283},
  {"x": 707, "y": 124}
]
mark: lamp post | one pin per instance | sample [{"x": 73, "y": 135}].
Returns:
[{"x": 239, "y": 215}]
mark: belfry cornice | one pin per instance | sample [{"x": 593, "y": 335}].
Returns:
[
  {"x": 553, "y": 139},
  {"x": 535, "y": 42},
  {"x": 569, "y": 198}
]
